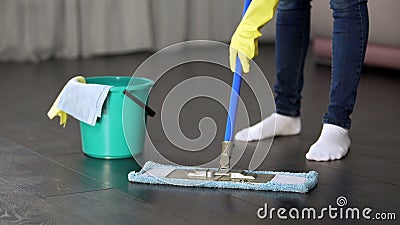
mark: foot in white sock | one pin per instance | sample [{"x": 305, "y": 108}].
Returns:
[
  {"x": 283, "y": 126},
  {"x": 333, "y": 143}
]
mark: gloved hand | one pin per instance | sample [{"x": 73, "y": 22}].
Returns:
[{"x": 244, "y": 42}]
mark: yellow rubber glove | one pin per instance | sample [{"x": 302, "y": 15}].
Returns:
[
  {"x": 244, "y": 42},
  {"x": 54, "y": 111}
]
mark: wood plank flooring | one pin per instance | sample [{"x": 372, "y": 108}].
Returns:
[{"x": 46, "y": 179}]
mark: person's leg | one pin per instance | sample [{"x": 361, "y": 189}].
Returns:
[
  {"x": 350, "y": 36},
  {"x": 292, "y": 38}
]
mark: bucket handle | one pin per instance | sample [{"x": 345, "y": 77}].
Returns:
[{"x": 149, "y": 110}]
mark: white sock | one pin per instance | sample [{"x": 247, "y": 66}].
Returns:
[
  {"x": 333, "y": 144},
  {"x": 283, "y": 126}
]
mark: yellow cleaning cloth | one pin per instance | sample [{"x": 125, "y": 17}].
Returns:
[
  {"x": 54, "y": 111},
  {"x": 244, "y": 42}
]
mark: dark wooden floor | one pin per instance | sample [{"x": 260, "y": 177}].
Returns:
[{"x": 45, "y": 177}]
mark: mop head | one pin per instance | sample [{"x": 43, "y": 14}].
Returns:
[{"x": 154, "y": 173}]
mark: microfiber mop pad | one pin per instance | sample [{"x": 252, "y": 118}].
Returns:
[{"x": 154, "y": 173}]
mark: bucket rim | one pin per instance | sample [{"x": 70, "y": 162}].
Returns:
[{"x": 149, "y": 83}]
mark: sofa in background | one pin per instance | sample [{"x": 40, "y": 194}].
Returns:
[{"x": 384, "y": 36}]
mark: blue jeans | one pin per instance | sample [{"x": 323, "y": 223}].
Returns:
[{"x": 350, "y": 36}]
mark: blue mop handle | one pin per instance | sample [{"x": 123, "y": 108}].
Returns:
[{"x": 237, "y": 80}]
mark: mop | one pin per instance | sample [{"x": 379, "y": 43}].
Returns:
[{"x": 224, "y": 177}]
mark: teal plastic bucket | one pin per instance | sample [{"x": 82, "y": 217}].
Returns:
[{"x": 106, "y": 139}]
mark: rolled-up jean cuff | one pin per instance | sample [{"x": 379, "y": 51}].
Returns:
[
  {"x": 288, "y": 113},
  {"x": 345, "y": 125}
]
